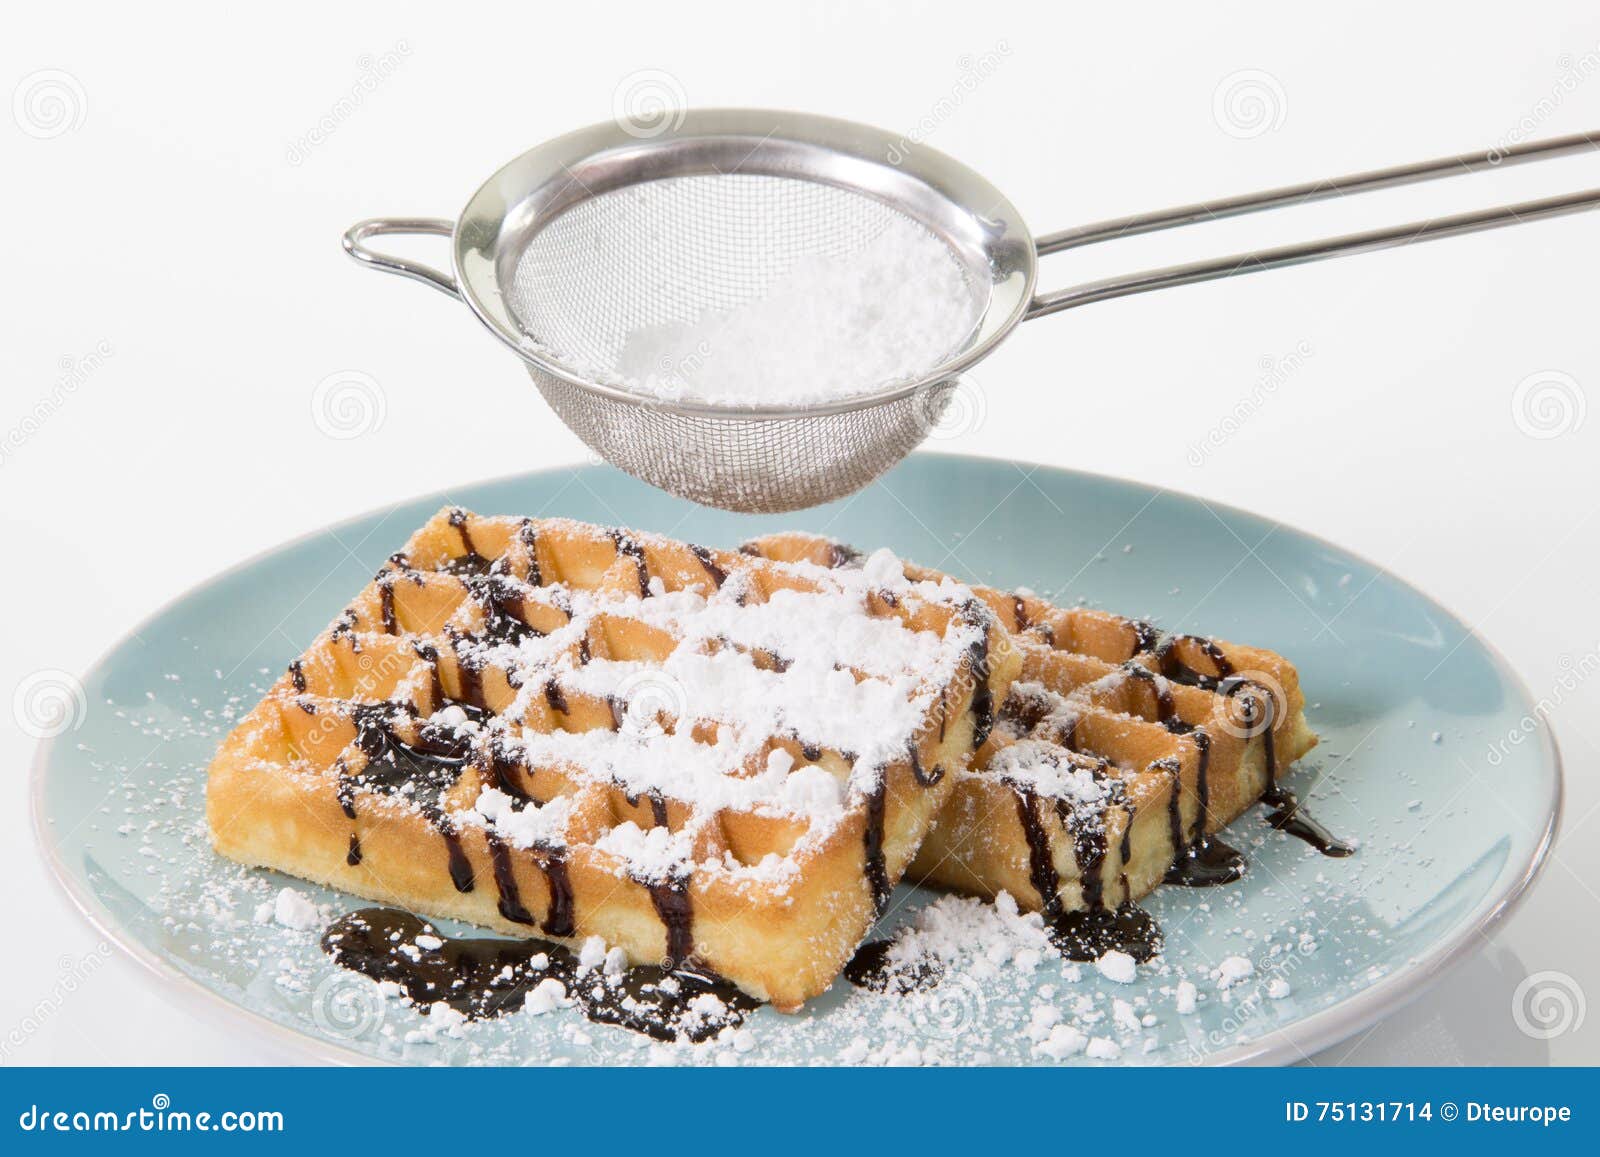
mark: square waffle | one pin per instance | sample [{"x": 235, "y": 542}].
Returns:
[
  {"x": 549, "y": 728},
  {"x": 1118, "y": 753}
]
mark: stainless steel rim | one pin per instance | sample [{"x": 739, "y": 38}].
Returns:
[
  {"x": 950, "y": 198},
  {"x": 593, "y": 159},
  {"x": 608, "y": 153},
  {"x": 579, "y": 250}
]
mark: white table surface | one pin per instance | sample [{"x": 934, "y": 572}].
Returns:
[{"x": 175, "y": 224}]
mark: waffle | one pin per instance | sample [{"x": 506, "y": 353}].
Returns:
[
  {"x": 554, "y": 729},
  {"x": 1117, "y": 754}
]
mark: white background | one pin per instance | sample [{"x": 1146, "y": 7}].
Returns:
[{"x": 169, "y": 213}]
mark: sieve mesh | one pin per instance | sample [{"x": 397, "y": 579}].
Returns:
[
  {"x": 670, "y": 252},
  {"x": 760, "y": 467}
]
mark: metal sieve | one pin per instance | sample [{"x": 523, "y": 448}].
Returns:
[{"x": 602, "y": 233}]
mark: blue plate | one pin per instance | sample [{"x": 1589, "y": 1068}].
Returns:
[{"x": 1428, "y": 759}]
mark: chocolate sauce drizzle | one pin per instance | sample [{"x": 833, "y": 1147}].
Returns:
[
  {"x": 625, "y": 544},
  {"x": 841, "y": 554},
  {"x": 670, "y": 896},
  {"x": 424, "y": 769},
  {"x": 658, "y": 805},
  {"x": 558, "y": 921},
  {"x": 504, "y": 611},
  {"x": 1090, "y": 932},
  {"x": 671, "y": 900},
  {"x": 484, "y": 977},
  {"x": 925, "y": 778},
  {"x": 877, "y": 871},
  {"x": 505, "y": 881},
  {"x": 718, "y": 575},
  {"x": 504, "y": 768},
  {"x": 1287, "y": 815},
  {"x": 469, "y": 562},
  {"x": 978, "y": 666},
  {"x": 529, "y": 537},
  {"x": 386, "y": 605},
  {"x": 1200, "y": 858}
]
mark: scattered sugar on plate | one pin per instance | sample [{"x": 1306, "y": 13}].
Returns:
[
  {"x": 1104, "y": 1049},
  {"x": 1232, "y": 970},
  {"x": 293, "y": 910},
  {"x": 1062, "y": 1041},
  {"x": 1118, "y": 966}
]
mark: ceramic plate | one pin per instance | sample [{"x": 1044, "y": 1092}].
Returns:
[{"x": 1426, "y": 760}]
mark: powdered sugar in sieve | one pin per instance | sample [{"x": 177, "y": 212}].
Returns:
[{"x": 744, "y": 290}]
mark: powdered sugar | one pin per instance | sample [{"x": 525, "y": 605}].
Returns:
[
  {"x": 523, "y": 826},
  {"x": 293, "y": 910},
  {"x": 1048, "y": 771},
  {"x": 833, "y": 326},
  {"x": 653, "y": 854},
  {"x": 809, "y": 660},
  {"x": 1117, "y": 966}
]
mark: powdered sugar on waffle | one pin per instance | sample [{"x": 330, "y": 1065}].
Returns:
[
  {"x": 812, "y": 664},
  {"x": 539, "y": 826},
  {"x": 1050, "y": 773}
]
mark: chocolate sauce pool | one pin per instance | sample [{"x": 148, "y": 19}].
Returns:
[{"x": 482, "y": 977}]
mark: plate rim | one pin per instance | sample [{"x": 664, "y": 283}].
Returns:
[{"x": 1296, "y": 1042}]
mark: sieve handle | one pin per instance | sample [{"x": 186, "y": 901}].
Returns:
[
  {"x": 355, "y": 244},
  {"x": 1277, "y": 258}
]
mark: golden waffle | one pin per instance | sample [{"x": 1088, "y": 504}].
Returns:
[
  {"x": 1117, "y": 754},
  {"x": 556, "y": 729}
]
